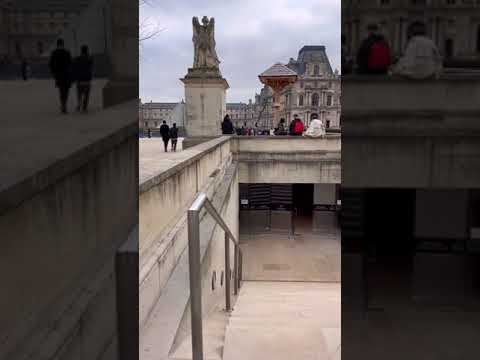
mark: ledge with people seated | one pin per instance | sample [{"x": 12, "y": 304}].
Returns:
[{"x": 454, "y": 91}]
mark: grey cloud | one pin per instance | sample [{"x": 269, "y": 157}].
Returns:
[{"x": 248, "y": 41}]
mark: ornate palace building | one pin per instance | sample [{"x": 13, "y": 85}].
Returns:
[
  {"x": 317, "y": 91},
  {"x": 454, "y": 25}
]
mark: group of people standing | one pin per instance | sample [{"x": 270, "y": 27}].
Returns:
[
  {"x": 67, "y": 71},
  {"x": 420, "y": 60},
  {"x": 295, "y": 128}
]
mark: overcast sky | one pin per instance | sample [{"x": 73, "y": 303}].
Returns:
[{"x": 251, "y": 35}]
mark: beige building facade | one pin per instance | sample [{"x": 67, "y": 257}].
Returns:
[
  {"x": 152, "y": 114},
  {"x": 317, "y": 91},
  {"x": 29, "y": 28}
]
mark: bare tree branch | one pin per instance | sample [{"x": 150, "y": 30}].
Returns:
[{"x": 148, "y": 29}]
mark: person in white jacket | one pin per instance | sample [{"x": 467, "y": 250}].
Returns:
[
  {"x": 316, "y": 128},
  {"x": 421, "y": 59}
]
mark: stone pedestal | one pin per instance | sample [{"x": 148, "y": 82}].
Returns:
[{"x": 205, "y": 96}]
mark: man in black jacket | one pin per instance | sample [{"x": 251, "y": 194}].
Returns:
[
  {"x": 165, "y": 134},
  {"x": 83, "y": 68},
  {"x": 61, "y": 67}
]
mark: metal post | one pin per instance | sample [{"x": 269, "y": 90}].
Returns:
[
  {"x": 240, "y": 270},
  {"x": 227, "y": 273},
  {"x": 195, "y": 283},
  {"x": 235, "y": 270}
]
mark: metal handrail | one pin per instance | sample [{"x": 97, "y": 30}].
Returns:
[{"x": 201, "y": 202}]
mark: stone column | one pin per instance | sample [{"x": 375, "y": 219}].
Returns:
[{"x": 122, "y": 85}]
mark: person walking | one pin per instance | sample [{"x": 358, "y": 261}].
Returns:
[
  {"x": 83, "y": 73},
  {"x": 373, "y": 56},
  {"x": 61, "y": 66},
  {"x": 227, "y": 126},
  {"x": 174, "y": 136},
  {"x": 165, "y": 134}
]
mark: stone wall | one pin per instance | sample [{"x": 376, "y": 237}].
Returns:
[
  {"x": 288, "y": 159},
  {"x": 60, "y": 238},
  {"x": 422, "y": 134}
]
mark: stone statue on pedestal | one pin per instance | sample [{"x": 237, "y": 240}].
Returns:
[
  {"x": 205, "y": 87},
  {"x": 205, "y": 55}
]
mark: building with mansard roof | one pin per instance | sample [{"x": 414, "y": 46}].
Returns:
[{"x": 317, "y": 90}]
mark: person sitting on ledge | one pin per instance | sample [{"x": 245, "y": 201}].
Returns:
[
  {"x": 227, "y": 126},
  {"x": 373, "y": 56},
  {"x": 316, "y": 128},
  {"x": 421, "y": 60}
]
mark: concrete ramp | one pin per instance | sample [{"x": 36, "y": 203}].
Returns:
[{"x": 284, "y": 321}]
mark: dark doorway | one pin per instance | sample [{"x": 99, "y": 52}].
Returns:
[
  {"x": 448, "y": 48},
  {"x": 302, "y": 207},
  {"x": 303, "y": 199},
  {"x": 390, "y": 221}
]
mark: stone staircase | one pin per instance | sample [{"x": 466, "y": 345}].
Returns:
[
  {"x": 214, "y": 338},
  {"x": 285, "y": 320}
]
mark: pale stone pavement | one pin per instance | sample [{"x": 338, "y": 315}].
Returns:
[
  {"x": 35, "y": 134},
  {"x": 307, "y": 257},
  {"x": 153, "y": 159}
]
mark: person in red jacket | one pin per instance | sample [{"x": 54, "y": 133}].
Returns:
[{"x": 296, "y": 127}]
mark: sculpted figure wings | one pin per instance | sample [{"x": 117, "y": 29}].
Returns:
[{"x": 204, "y": 43}]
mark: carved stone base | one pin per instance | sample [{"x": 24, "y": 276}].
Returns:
[
  {"x": 205, "y": 93},
  {"x": 203, "y": 72}
]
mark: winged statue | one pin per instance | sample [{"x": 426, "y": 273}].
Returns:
[{"x": 205, "y": 55}]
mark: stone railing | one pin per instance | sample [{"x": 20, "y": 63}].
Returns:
[
  {"x": 288, "y": 159},
  {"x": 59, "y": 236}
]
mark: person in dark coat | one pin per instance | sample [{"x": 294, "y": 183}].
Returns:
[
  {"x": 227, "y": 126},
  {"x": 83, "y": 72},
  {"x": 174, "y": 136},
  {"x": 61, "y": 67},
  {"x": 165, "y": 134}
]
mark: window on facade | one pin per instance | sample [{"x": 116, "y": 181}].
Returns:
[
  {"x": 301, "y": 84},
  {"x": 315, "y": 99},
  {"x": 40, "y": 47},
  {"x": 327, "y": 124},
  {"x": 451, "y": 2},
  {"x": 384, "y": 2},
  {"x": 316, "y": 70},
  {"x": 329, "y": 100},
  {"x": 156, "y": 124},
  {"x": 146, "y": 124},
  {"x": 300, "y": 100}
]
